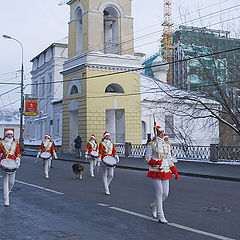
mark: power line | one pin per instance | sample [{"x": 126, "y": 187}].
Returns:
[
  {"x": 142, "y": 68},
  {"x": 117, "y": 72},
  {"x": 134, "y": 39},
  {"x": 12, "y": 83},
  {"x": 9, "y": 91},
  {"x": 18, "y": 100}
]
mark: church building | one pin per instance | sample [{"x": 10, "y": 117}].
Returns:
[{"x": 101, "y": 78}]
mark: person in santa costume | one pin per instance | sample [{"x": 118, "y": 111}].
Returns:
[
  {"x": 47, "y": 145},
  {"x": 92, "y": 147},
  {"x": 161, "y": 168},
  {"x": 9, "y": 148},
  {"x": 107, "y": 148}
]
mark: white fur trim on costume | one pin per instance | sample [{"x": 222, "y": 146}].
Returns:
[{"x": 8, "y": 132}]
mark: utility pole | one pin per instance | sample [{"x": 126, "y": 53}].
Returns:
[{"x": 21, "y": 143}]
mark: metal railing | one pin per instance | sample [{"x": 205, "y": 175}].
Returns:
[
  {"x": 120, "y": 148},
  {"x": 214, "y": 152},
  {"x": 138, "y": 150},
  {"x": 228, "y": 153},
  {"x": 191, "y": 152}
]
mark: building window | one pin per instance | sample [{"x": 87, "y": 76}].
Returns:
[
  {"x": 144, "y": 132},
  {"x": 74, "y": 90},
  {"x": 74, "y": 87},
  {"x": 114, "y": 88},
  {"x": 50, "y": 84},
  {"x": 57, "y": 126},
  {"x": 169, "y": 126},
  {"x": 42, "y": 87},
  {"x": 28, "y": 128},
  {"x": 36, "y": 88}
]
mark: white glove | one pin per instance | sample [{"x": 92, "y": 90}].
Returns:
[
  {"x": 86, "y": 155},
  {"x": 38, "y": 154},
  {"x": 18, "y": 162},
  {"x": 99, "y": 163},
  {"x": 117, "y": 157},
  {"x": 55, "y": 155}
]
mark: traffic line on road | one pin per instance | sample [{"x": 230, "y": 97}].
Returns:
[
  {"x": 39, "y": 187},
  {"x": 189, "y": 229}
]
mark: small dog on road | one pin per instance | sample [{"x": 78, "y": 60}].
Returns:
[{"x": 78, "y": 171}]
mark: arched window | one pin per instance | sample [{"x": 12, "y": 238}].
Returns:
[
  {"x": 74, "y": 90},
  {"x": 114, "y": 88},
  {"x": 77, "y": 17},
  {"x": 74, "y": 87},
  {"x": 111, "y": 31}
]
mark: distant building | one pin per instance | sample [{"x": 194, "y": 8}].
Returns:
[
  {"x": 48, "y": 89},
  {"x": 198, "y": 76},
  {"x": 10, "y": 120},
  {"x": 181, "y": 118}
]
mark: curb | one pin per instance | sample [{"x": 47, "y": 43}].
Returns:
[{"x": 145, "y": 169}]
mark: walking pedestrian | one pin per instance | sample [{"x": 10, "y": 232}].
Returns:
[
  {"x": 46, "y": 152},
  {"x": 107, "y": 159},
  {"x": 92, "y": 153},
  {"x": 161, "y": 167},
  {"x": 9, "y": 150},
  {"x": 78, "y": 147}
]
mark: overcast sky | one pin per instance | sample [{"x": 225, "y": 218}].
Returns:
[{"x": 38, "y": 23}]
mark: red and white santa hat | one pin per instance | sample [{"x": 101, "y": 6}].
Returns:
[
  {"x": 158, "y": 128},
  {"x": 48, "y": 135},
  {"x": 8, "y": 131},
  {"x": 93, "y": 136},
  {"x": 165, "y": 136},
  {"x": 106, "y": 134}
]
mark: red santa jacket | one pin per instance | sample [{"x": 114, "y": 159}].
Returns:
[
  {"x": 91, "y": 146},
  {"x": 47, "y": 147},
  {"x": 106, "y": 148},
  {"x": 9, "y": 150}
]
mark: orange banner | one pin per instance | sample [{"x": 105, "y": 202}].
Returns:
[{"x": 31, "y": 107}]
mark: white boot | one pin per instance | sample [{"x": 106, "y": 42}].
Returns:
[
  {"x": 107, "y": 192},
  {"x": 6, "y": 203},
  {"x": 160, "y": 214},
  {"x": 154, "y": 209}
]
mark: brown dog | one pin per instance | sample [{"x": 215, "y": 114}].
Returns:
[{"x": 78, "y": 171}]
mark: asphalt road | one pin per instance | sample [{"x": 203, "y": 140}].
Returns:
[{"x": 64, "y": 208}]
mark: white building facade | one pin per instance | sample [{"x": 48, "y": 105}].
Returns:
[
  {"x": 179, "y": 113},
  {"x": 47, "y": 87}
]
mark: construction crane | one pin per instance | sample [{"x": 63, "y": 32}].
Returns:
[{"x": 168, "y": 37}]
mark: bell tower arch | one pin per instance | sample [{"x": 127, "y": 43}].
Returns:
[{"x": 100, "y": 26}]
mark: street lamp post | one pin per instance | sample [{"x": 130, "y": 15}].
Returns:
[{"x": 21, "y": 144}]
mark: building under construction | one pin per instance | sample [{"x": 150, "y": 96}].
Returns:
[{"x": 195, "y": 58}]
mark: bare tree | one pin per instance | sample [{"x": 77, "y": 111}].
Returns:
[{"x": 214, "y": 63}]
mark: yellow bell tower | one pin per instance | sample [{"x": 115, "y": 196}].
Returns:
[{"x": 101, "y": 78}]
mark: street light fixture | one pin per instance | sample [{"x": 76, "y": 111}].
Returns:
[{"x": 21, "y": 144}]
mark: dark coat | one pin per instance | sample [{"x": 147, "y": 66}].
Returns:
[{"x": 78, "y": 142}]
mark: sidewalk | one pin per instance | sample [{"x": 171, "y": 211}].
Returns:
[{"x": 187, "y": 168}]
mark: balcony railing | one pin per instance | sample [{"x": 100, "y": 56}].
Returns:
[{"x": 110, "y": 47}]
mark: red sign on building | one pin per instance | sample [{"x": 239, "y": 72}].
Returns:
[{"x": 31, "y": 107}]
